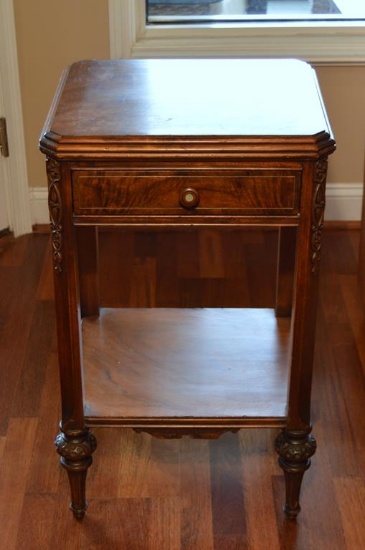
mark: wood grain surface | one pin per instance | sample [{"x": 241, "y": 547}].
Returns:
[{"x": 149, "y": 363}]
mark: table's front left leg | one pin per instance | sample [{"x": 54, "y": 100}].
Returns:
[
  {"x": 76, "y": 451},
  {"x": 75, "y": 443}
]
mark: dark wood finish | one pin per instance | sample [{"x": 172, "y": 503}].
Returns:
[
  {"x": 184, "y": 144},
  {"x": 184, "y": 494}
]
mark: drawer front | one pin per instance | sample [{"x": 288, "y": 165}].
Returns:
[{"x": 255, "y": 192}]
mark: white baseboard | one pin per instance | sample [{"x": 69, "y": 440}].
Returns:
[
  {"x": 343, "y": 203},
  {"x": 38, "y": 198}
]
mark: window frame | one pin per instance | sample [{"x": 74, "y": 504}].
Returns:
[{"x": 321, "y": 43}]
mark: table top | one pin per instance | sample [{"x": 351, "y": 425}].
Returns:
[{"x": 207, "y": 100}]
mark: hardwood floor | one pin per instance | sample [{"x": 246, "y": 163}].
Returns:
[{"x": 145, "y": 493}]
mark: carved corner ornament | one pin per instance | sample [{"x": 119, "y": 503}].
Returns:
[
  {"x": 318, "y": 206},
  {"x": 55, "y": 212}
]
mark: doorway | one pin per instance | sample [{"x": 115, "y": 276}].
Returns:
[{"x": 14, "y": 192}]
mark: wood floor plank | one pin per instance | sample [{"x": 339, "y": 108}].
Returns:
[
  {"x": 355, "y": 314},
  {"x": 144, "y": 288},
  {"x": 261, "y": 265},
  {"x": 18, "y": 288},
  {"x": 2, "y": 445},
  {"x": 228, "y": 500},
  {"x": 350, "y": 495},
  {"x": 15, "y": 465},
  {"x": 45, "y": 290},
  {"x": 167, "y": 283},
  {"x": 134, "y": 471},
  {"x": 12, "y": 254},
  {"x": 258, "y": 466},
  {"x": 148, "y": 467},
  {"x": 44, "y": 468},
  {"x": 151, "y": 525},
  {"x": 196, "y": 506},
  {"x": 34, "y": 363},
  {"x": 144, "y": 244},
  {"x": 37, "y": 522},
  {"x": 187, "y": 255},
  {"x": 211, "y": 264},
  {"x": 104, "y": 476},
  {"x": 116, "y": 253}
]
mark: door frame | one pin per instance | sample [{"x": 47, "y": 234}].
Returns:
[{"x": 15, "y": 174}]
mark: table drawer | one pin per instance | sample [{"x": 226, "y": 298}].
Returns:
[{"x": 256, "y": 192}]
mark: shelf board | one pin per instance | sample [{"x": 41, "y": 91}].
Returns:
[{"x": 186, "y": 367}]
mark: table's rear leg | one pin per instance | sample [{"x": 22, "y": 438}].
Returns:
[
  {"x": 285, "y": 271},
  {"x": 87, "y": 247}
]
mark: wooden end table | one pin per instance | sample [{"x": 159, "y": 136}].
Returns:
[{"x": 186, "y": 144}]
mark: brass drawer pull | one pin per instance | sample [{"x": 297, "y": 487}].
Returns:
[{"x": 189, "y": 198}]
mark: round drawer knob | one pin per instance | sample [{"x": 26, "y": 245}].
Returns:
[{"x": 189, "y": 198}]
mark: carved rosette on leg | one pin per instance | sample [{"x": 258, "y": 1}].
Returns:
[
  {"x": 75, "y": 450},
  {"x": 295, "y": 450}
]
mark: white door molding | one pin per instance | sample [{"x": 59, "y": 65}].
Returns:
[
  {"x": 126, "y": 25},
  {"x": 16, "y": 178}
]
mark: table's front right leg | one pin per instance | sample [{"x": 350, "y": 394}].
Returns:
[
  {"x": 295, "y": 450},
  {"x": 295, "y": 445}
]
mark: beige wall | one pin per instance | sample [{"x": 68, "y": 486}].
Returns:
[
  {"x": 53, "y": 34},
  {"x": 343, "y": 90}
]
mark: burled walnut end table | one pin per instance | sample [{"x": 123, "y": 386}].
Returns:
[{"x": 186, "y": 144}]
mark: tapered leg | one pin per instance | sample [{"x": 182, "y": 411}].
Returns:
[
  {"x": 295, "y": 450},
  {"x": 76, "y": 450}
]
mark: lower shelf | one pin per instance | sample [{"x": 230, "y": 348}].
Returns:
[{"x": 183, "y": 368}]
